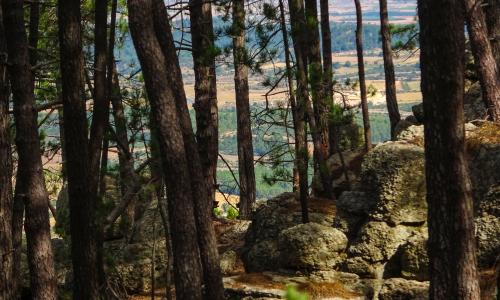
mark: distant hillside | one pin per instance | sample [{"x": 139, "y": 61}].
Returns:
[{"x": 343, "y": 39}]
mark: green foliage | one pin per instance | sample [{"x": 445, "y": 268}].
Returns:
[
  {"x": 232, "y": 213},
  {"x": 406, "y": 37},
  {"x": 371, "y": 90},
  {"x": 293, "y": 294},
  {"x": 217, "y": 212}
]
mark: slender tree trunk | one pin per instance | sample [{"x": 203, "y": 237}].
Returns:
[
  {"x": 156, "y": 172},
  {"x": 205, "y": 89},
  {"x": 319, "y": 129},
  {"x": 202, "y": 200},
  {"x": 18, "y": 210},
  {"x": 297, "y": 21},
  {"x": 451, "y": 245},
  {"x": 390, "y": 77},
  {"x": 298, "y": 121},
  {"x": 487, "y": 69},
  {"x": 81, "y": 201},
  {"x": 129, "y": 181},
  {"x": 493, "y": 24},
  {"x": 362, "y": 82},
  {"x": 101, "y": 101},
  {"x": 40, "y": 259},
  {"x": 6, "y": 201},
  {"x": 244, "y": 125},
  {"x": 188, "y": 272},
  {"x": 326, "y": 36}
]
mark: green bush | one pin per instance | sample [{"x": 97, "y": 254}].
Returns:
[
  {"x": 293, "y": 294},
  {"x": 232, "y": 213}
]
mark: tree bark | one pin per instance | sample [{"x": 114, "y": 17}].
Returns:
[
  {"x": 40, "y": 258},
  {"x": 362, "y": 82},
  {"x": 81, "y": 202},
  {"x": 390, "y": 77},
  {"x": 487, "y": 69},
  {"x": 298, "y": 122},
  {"x": 202, "y": 200},
  {"x": 244, "y": 126},
  {"x": 101, "y": 101},
  {"x": 205, "y": 89},
  {"x": 319, "y": 129},
  {"x": 188, "y": 272},
  {"x": 493, "y": 24},
  {"x": 297, "y": 22},
  {"x": 6, "y": 201},
  {"x": 327, "y": 53},
  {"x": 451, "y": 245}
]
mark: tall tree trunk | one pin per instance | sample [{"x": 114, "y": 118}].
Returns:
[
  {"x": 493, "y": 23},
  {"x": 319, "y": 129},
  {"x": 81, "y": 201},
  {"x": 40, "y": 258},
  {"x": 298, "y": 23},
  {"x": 487, "y": 69},
  {"x": 390, "y": 77},
  {"x": 244, "y": 125},
  {"x": 202, "y": 200},
  {"x": 188, "y": 272},
  {"x": 298, "y": 122},
  {"x": 326, "y": 39},
  {"x": 18, "y": 210},
  {"x": 451, "y": 245},
  {"x": 101, "y": 101},
  {"x": 205, "y": 89},
  {"x": 6, "y": 201},
  {"x": 128, "y": 178},
  {"x": 362, "y": 82}
]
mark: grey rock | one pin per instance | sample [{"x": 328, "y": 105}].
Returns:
[
  {"x": 228, "y": 262},
  {"x": 402, "y": 289},
  {"x": 414, "y": 259},
  {"x": 418, "y": 112},
  {"x": 413, "y": 134},
  {"x": 393, "y": 173},
  {"x": 312, "y": 246},
  {"x": 261, "y": 251}
]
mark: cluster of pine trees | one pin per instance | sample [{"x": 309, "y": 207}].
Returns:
[{"x": 184, "y": 160}]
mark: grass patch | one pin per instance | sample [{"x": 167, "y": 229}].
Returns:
[{"x": 318, "y": 290}]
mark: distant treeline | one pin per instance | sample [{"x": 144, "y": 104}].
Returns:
[{"x": 343, "y": 39}]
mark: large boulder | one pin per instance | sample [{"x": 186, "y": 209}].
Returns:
[
  {"x": 353, "y": 208},
  {"x": 312, "y": 246},
  {"x": 372, "y": 252},
  {"x": 262, "y": 251},
  {"x": 402, "y": 289},
  {"x": 487, "y": 223},
  {"x": 393, "y": 174},
  {"x": 414, "y": 259}
]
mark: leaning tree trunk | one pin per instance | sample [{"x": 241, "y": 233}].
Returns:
[
  {"x": 188, "y": 272},
  {"x": 451, "y": 245},
  {"x": 297, "y": 20},
  {"x": 362, "y": 82},
  {"x": 40, "y": 258},
  {"x": 81, "y": 202},
  {"x": 390, "y": 77},
  {"x": 244, "y": 125},
  {"x": 202, "y": 200},
  {"x": 6, "y": 202},
  {"x": 205, "y": 89},
  {"x": 487, "y": 68},
  {"x": 493, "y": 23}
]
